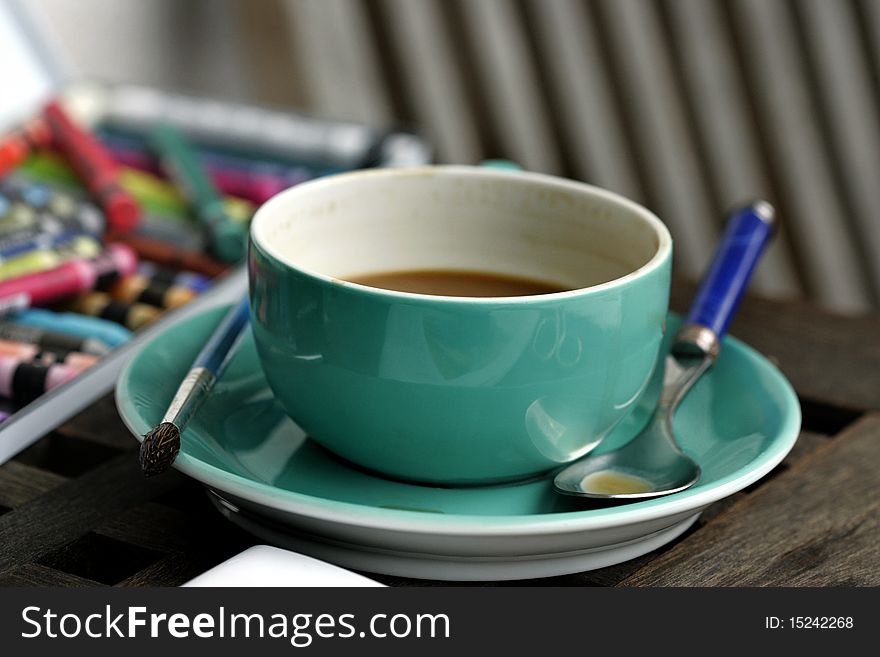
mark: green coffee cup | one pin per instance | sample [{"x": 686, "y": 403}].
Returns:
[{"x": 457, "y": 390}]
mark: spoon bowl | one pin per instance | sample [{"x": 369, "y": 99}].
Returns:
[{"x": 649, "y": 465}]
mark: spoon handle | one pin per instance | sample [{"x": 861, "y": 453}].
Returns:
[{"x": 749, "y": 229}]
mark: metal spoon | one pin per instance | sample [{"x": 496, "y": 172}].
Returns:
[{"x": 652, "y": 463}]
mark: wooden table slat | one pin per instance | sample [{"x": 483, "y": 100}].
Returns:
[
  {"x": 34, "y": 574},
  {"x": 75, "y": 507},
  {"x": 827, "y": 357},
  {"x": 172, "y": 570},
  {"x": 20, "y": 483},
  {"x": 814, "y": 525}
]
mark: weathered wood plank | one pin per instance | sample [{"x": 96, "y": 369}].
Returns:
[
  {"x": 173, "y": 570},
  {"x": 34, "y": 574},
  {"x": 817, "y": 524},
  {"x": 99, "y": 423},
  {"x": 807, "y": 442},
  {"x": 195, "y": 529},
  {"x": 75, "y": 507},
  {"x": 20, "y": 483},
  {"x": 152, "y": 525},
  {"x": 612, "y": 575},
  {"x": 826, "y": 356}
]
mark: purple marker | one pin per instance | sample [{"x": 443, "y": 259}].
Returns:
[{"x": 4, "y": 416}]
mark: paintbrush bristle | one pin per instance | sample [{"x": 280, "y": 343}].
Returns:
[{"x": 159, "y": 449}]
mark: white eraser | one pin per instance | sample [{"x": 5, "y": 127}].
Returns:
[{"x": 263, "y": 565}]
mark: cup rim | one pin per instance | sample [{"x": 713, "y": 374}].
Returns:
[{"x": 662, "y": 254}]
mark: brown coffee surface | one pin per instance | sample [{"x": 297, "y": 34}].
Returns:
[{"x": 456, "y": 283}]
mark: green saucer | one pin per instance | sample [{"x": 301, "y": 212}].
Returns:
[{"x": 739, "y": 421}]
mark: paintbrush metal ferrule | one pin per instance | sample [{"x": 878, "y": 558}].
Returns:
[
  {"x": 193, "y": 390},
  {"x": 161, "y": 445}
]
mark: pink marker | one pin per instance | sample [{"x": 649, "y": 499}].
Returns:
[
  {"x": 255, "y": 183},
  {"x": 117, "y": 261},
  {"x": 47, "y": 287},
  {"x": 23, "y": 382}
]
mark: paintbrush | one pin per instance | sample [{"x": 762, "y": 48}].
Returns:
[{"x": 162, "y": 444}]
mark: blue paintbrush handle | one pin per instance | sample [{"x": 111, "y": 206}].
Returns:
[
  {"x": 213, "y": 355},
  {"x": 748, "y": 231}
]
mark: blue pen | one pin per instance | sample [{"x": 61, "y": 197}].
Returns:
[
  {"x": 108, "y": 332},
  {"x": 162, "y": 444}
]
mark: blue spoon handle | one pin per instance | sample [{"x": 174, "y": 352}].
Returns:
[{"x": 748, "y": 232}]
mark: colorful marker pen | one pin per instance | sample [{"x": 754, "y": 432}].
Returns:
[
  {"x": 169, "y": 255},
  {"x": 26, "y": 240},
  {"x": 130, "y": 315},
  {"x": 253, "y": 185},
  {"x": 16, "y": 216},
  {"x": 184, "y": 234},
  {"x": 53, "y": 341},
  {"x": 27, "y": 352},
  {"x": 196, "y": 282},
  {"x": 249, "y": 178},
  {"x": 110, "y": 333},
  {"x": 48, "y": 287},
  {"x": 16, "y": 146},
  {"x": 74, "y": 359},
  {"x": 153, "y": 194},
  {"x": 180, "y": 162},
  {"x": 115, "y": 262},
  {"x": 236, "y": 127},
  {"x": 44, "y": 259},
  {"x": 97, "y": 169},
  {"x": 140, "y": 289},
  {"x": 46, "y": 210},
  {"x": 23, "y": 382}
]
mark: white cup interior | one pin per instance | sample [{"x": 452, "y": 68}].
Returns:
[{"x": 463, "y": 219}]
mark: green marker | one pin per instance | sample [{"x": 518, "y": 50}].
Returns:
[
  {"x": 153, "y": 194},
  {"x": 182, "y": 165}
]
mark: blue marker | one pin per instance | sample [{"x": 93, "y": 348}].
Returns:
[{"x": 81, "y": 326}]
